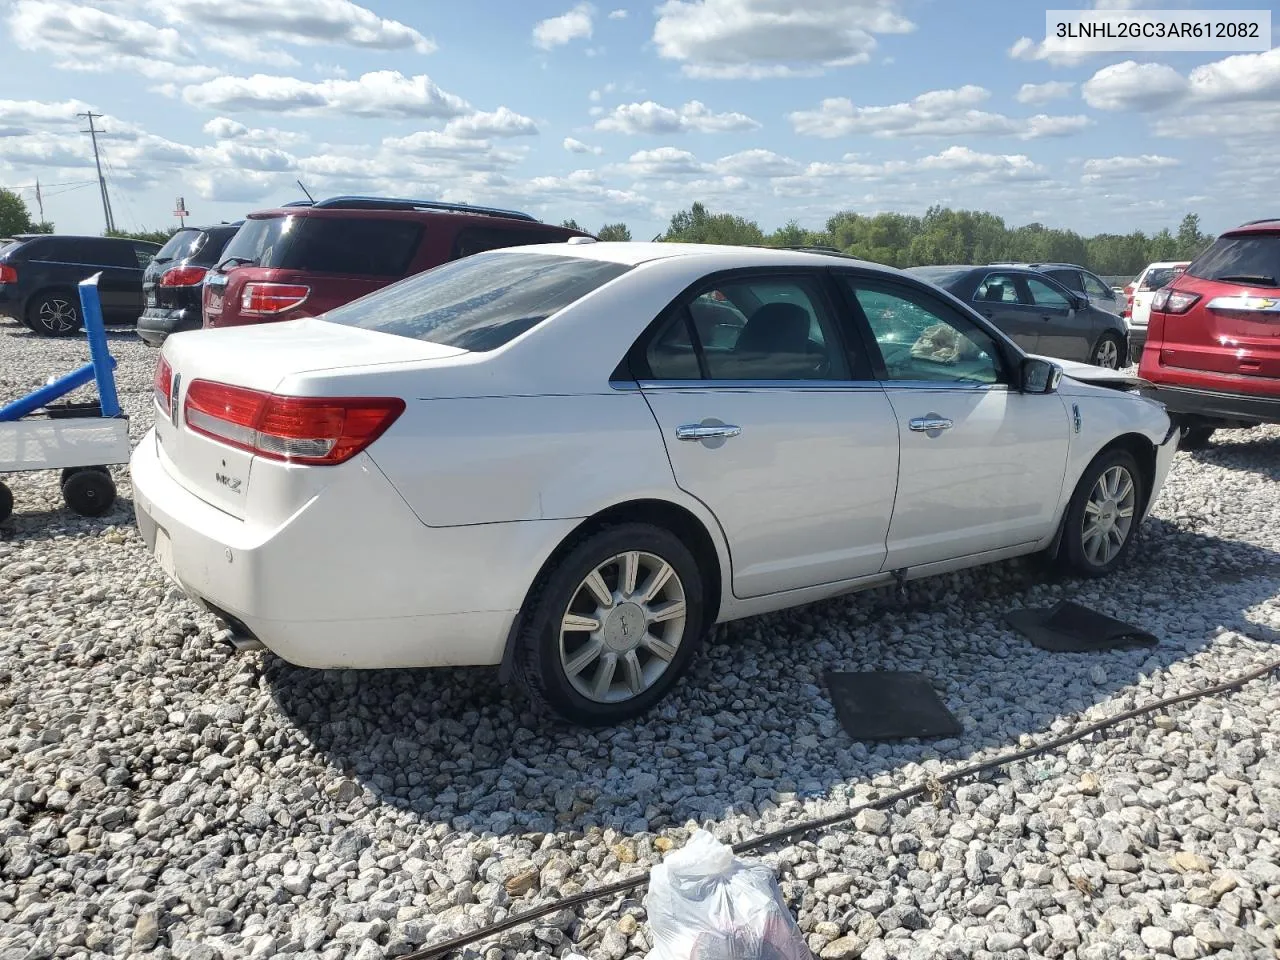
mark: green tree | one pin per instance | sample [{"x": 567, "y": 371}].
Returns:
[
  {"x": 614, "y": 232},
  {"x": 14, "y": 215},
  {"x": 159, "y": 235},
  {"x": 697, "y": 225},
  {"x": 1190, "y": 240},
  {"x": 570, "y": 225},
  {"x": 44, "y": 226}
]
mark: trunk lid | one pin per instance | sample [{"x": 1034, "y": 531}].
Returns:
[
  {"x": 1233, "y": 329},
  {"x": 259, "y": 358}
]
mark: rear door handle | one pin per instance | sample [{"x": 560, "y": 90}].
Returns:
[
  {"x": 699, "y": 431},
  {"x": 930, "y": 423}
]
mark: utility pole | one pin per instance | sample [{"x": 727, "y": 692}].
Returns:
[{"x": 102, "y": 182}]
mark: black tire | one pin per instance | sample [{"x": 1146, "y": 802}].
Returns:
[
  {"x": 55, "y": 313},
  {"x": 67, "y": 472},
  {"x": 1107, "y": 343},
  {"x": 1074, "y": 555},
  {"x": 6, "y": 503},
  {"x": 89, "y": 491},
  {"x": 1195, "y": 438},
  {"x": 539, "y": 666}
]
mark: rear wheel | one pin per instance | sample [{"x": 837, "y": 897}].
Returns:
[
  {"x": 1102, "y": 517},
  {"x": 6, "y": 503},
  {"x": 1107, "y": 352},
  {"x": 55, "y": 313},
  {"x": 1195, "y": 438},
  {"x": 89, "y": 492},
  {"x": 611, "y": 628}
]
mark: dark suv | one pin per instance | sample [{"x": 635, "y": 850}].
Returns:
[
  {"x": 39, "y": 274},
  {"x": 306, "y": 258},
  {"x": 173, "y": 282}
]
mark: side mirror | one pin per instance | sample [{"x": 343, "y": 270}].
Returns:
[
  {"x": 1079, "y": 303},
  {"x": 1040, "y": 376}
]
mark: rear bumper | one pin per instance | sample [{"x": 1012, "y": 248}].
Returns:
[
  {"x": 155, "y": 323},
  {"x": 352, "y": 579},
  {"x": 1213, "y": 406},
  {"x": 1137, "y": 340}
]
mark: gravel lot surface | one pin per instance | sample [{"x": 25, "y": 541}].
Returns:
[{"x": 162, "y": 796}]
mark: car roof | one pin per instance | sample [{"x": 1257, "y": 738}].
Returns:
[
  {"x": 1256, "y": 226},
  {"x": 1038, "y": 264},
  {"x": 721, "y": 256}
]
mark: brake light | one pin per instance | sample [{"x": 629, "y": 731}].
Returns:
[
  {"x": 1173, "y": 301},
  {"x": 263, "y": 298},
  {"x": 305, "y": 430},
  {"x": 163, "y": 385},
  {"x": 183, "y": 276},
  {"x": 8, "y": 274}
]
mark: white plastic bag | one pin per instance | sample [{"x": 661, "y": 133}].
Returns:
[{"x": 706, "y": 904}]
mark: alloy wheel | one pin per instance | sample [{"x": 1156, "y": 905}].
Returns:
[
  {"x": 1108, "y": 354},
  {"x": 1108, "y": 515},
  {"x": 623, "y": 627},
  {"x": 58, "y": 315}
]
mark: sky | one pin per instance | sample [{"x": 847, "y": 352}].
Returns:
[{"x": 624, "y": 111}]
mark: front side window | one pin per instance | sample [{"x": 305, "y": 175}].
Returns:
[
  {"x": 480, "y": 302},
  {"x": 920, "y": 339},
  {"x": 1068, "y": 278},
  {"x": 1046, "y": 295},
  {"x": 764, "y": 329},
  {"x": 1095, "y": 288}
]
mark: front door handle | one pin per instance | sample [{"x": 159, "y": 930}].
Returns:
[
  {"x": 930, "y": 423},
  {"x": 709, "y": 431}
]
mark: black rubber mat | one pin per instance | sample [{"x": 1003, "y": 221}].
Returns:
[
  {"x": 889, "y": 705},
  {"x": 1071, "y": 628}
]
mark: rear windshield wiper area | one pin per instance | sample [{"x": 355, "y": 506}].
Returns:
[
  {"x": 236, "y": 262},
  {"x": 1257, "y": 279}
]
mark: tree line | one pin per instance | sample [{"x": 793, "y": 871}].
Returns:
[{"x": 944, "y": 235}]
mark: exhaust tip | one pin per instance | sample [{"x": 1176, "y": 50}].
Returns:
[{"x": 237, "y": 636}]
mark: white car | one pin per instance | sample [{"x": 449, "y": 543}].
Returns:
[
  {"x": 573, "y": 459},
  {"x": 1152, "y": 278}
]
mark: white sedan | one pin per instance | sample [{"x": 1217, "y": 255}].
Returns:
[{"x": 573, "y": 459}]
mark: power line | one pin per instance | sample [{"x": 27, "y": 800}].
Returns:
[{"x": 102, "y": 182}]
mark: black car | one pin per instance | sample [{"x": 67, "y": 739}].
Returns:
[
  {"x": 39, "y": 274},
  {"x": 173, "y": 283},
  {"x": 1038, "y": 313}
]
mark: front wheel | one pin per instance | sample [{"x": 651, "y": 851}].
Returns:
[
  {"x": 610, "y": 629},
  {"x": 1102, "y": 517},
  {"x": 1107, "y": 352},
  {"x": 54, "y": 314}
]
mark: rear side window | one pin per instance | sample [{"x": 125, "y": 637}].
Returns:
[
  {"x": 478, "y": 239},
  {"x": 345, "y": 245},
  {"x": 478, "y": 303},
  {"x": 1252, "y": 258}
]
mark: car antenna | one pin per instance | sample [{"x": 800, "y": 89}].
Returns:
[{"x": 306, "y": 191}]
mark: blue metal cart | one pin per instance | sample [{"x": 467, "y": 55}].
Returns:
[{"x": 80, "y": 439}]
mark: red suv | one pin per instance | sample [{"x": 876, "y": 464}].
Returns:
[
  {"x": 306, "y": 258},
  {"x": 1213, "y": 340}
]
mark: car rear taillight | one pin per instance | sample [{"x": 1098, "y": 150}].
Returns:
[
  {"x": 163, "y": 385},
  {"x": 8, "y": 274},
  {"x": 183, "y": 276},
  {"x": 263, "y": 298},
  {"x": 1128, "y": 300},
  {"x": 306, "y": 430},
  {"x": 1173, "y": 301}
]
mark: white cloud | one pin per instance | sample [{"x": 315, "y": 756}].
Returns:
[
  {"x": 663, "y": 162},
  {"x": 577, "y": 146},
  {"x": 617, "y": 14},
  {"x": 987, "y": 165},
  {"x": 1051, "y": 49},
  {"x": 1038, "y": 93},
  {"x": 771, "y": 38},
  {"x": 1126, "y": 168},
  {"x": 385, "y": 93},
  {"x": 1134, "y": 86},
  {"x": 302, "y": 22},
  {"x": 654, "y": 118},
  {"x": 224, "y": 128},
  {"x": 500, "y": 123},
  {"x": 937, "y": 113},
  {"x": 233, "y": 186},
  {"x": 558, "y": 31},
  {"x": 757, "y": 163},
  {"x": 86, "y": 38}
]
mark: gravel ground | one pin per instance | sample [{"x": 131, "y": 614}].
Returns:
[{"x": 160, "y": 795}]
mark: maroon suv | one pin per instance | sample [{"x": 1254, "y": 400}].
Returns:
[{"x": 306, "y": 258}]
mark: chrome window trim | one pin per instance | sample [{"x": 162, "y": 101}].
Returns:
[{"x": 809, "y": 386}]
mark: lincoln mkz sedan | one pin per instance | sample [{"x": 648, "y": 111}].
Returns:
[{"x": 571, "y": 460}]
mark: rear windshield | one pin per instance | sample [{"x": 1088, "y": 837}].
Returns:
[
  {"x": 183, "y": 244},
  {"x": 940, "y": 276},
  {"x": 1251, "y": 259},
  {"x": 1158, "y": 277},
  {"x": 346, "y": 245},
  {"x": 480, "y": 302}
]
